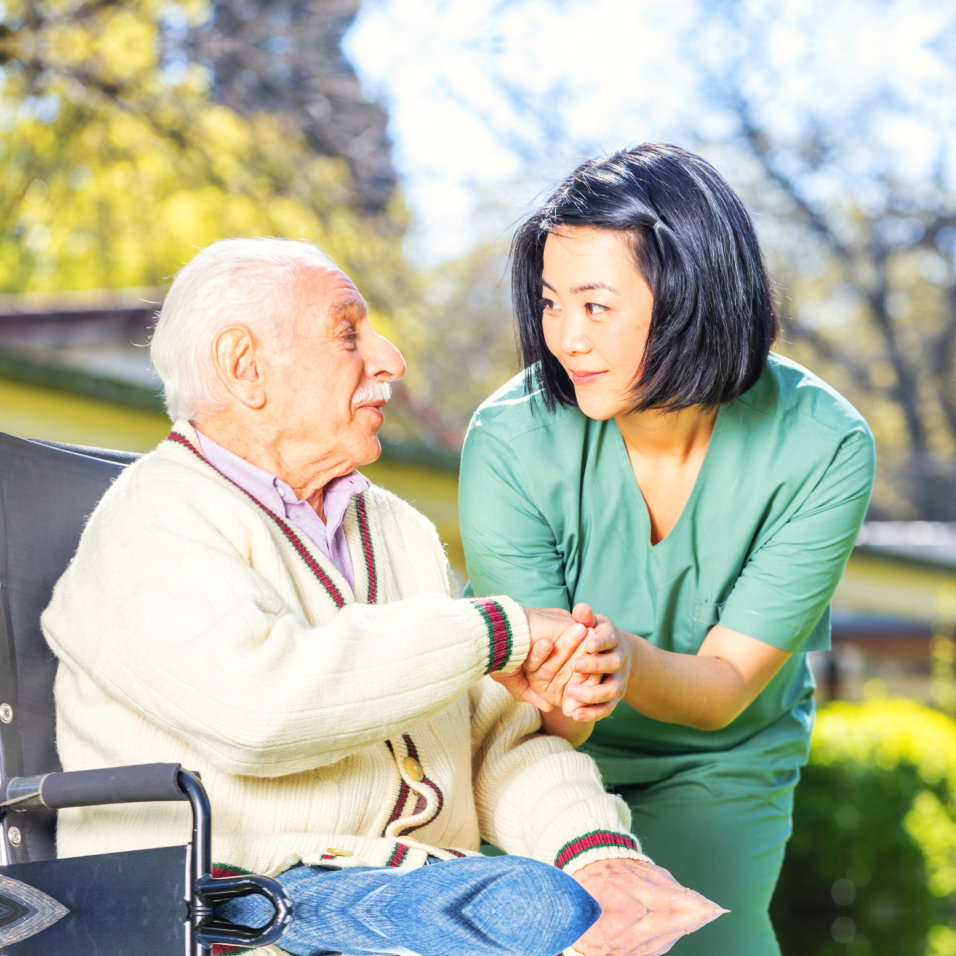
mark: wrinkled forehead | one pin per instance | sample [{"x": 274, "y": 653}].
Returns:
[{"x": 326, "y": 294}]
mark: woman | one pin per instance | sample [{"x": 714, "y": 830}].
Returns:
[{"x": 658, "y": 463}]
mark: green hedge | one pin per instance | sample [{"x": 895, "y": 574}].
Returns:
[{"x": 871, "y": 866}]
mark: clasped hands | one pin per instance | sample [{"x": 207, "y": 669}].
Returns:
[{"x": 577, "y": 663}]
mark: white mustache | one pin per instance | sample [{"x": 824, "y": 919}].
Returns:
[{"x": 376, "y": 392}]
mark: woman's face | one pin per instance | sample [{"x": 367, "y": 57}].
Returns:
[{"x": 596, "y": 317}]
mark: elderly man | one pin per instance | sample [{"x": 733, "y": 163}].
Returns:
[{"x": 244, "y": 602}]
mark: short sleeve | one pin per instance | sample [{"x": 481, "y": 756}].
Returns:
[
  {"x": 788, "y": 581},
  {"x": 510, "y": 548}
]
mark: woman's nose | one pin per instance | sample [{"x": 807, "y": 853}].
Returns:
[{"x": 574, "y": 340}]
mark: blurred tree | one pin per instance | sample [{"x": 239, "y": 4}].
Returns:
[
  {"x": 120, "y": 158},
  {"x": 854, "y": 184},
  {"x": 835, "y": 123},
  {"x": 286, "y": 55},
  {"x": 461, "y": 345}
]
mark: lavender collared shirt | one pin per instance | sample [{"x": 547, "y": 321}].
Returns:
[{"x": 276, "y": 495}]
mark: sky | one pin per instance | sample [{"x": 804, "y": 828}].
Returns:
[{"x": 492, "y": 102}]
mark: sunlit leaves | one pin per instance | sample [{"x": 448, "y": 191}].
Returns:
[
  {"x": 117, "y": 167},
  {"x": 871, "y": 866}
]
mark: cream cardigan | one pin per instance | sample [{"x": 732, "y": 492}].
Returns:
[{"x": 195, "y": 627}]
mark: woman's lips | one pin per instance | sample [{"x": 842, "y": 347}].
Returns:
[{"x": 584, "y": 377}]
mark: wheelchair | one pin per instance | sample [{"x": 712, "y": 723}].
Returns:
[{"x": 158, "y": 900}]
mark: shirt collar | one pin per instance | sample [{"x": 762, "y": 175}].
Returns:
[{"x": 272, "y": 491}]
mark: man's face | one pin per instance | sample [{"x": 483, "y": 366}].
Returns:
[{"x": 327, "y": 387}]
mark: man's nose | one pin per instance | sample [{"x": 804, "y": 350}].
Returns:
[{"x": 384, "y": 362}]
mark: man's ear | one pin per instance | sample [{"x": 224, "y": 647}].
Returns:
[{"x": 235, "y": 355}]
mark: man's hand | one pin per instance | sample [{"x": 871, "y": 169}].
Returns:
[
  {"x": 644, "y": 910},
  {"x": 555, "y": 636},
  {"x": 578, "y": 664}
]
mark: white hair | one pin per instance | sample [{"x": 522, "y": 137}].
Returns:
[{"x": 249, "y": 282}]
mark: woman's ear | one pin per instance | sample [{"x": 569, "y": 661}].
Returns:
[{"x": 237, "y": 366}]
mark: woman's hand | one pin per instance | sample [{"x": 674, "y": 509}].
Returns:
[
  {"x": 596, "y": 677},
  {"x": 575, "y": 672},
  {"x": 588, "y": 685},
  {"x": 540, "y": 680}
]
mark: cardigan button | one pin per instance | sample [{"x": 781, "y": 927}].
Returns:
[
  {"x": 333, "y": 851},
  {"x": 413, "y": 769}
]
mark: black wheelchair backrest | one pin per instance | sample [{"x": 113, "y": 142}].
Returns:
[{"x": 47, "y": 491}]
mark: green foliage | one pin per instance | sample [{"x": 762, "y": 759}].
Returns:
[
  {"x": 871, "y": 866},
  {"x": 118, "y": 165}
]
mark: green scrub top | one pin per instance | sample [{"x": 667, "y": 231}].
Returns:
[{"x": 551, "y": 514}]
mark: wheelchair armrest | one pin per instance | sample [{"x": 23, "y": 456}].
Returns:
[
  {"x": 143, "y": 783},
  {"x": 139, "y": 783}
]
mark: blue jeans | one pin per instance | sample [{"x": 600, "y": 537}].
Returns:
[{"x": 482, "y": 906}]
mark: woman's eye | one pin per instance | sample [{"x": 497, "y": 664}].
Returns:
[
  {"x": 593, "y": 308},
  {"x": 546, "y": 305}
]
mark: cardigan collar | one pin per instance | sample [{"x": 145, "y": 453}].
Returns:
[{"x": 357, "y": 530}]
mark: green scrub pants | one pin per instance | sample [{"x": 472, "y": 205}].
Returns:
[{"x": 721, "y": 830}]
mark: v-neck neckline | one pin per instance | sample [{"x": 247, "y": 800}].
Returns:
[
  {"x": 624, "y": 462},
  {"x": 356, "y": 528}
]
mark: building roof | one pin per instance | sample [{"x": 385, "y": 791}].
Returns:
[{"x": 920, "y": 542}]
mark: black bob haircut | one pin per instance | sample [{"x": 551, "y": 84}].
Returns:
[{"x": 713, "y": 319}]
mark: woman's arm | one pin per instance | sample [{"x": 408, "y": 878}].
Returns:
[{"x": 706, "y": 690}]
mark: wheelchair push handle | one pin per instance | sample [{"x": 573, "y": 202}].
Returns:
[
  {"x": 161, "y": 782},
  {"x": 140, "y": 783}
]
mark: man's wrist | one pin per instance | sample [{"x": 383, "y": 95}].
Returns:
[
  {"x": 598, "y": 845},
  {"x": 506, "y": 631}
]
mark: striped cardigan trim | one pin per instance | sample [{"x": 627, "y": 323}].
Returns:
[
  {"x": 499, "y": 632},
  {"x": 595, "y": 840},
  {"x": 229, "y": 869},
  {"x": 368, "y": 549},
  {"x": 402, "y": 796},
  {"x": 284, "y": 526},
  {"x": 398, "y": 855},
  {"x": 399, "y": 806},
  {"x": 413, "y": 752}
]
